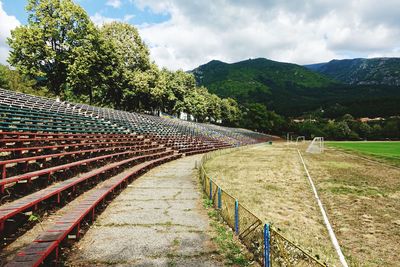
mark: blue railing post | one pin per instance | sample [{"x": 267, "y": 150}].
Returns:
[
  {"x": 219, "y": 198},
  {"x": 236, "y": 216},
  {"x": 266, "y": 246},
  {"x": 210, "y": 189}
]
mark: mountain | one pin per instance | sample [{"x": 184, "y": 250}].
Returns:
[
  {"x": 292, "y": 90},
  {"x": 361, "y": 71},
  {"x": 274, "y": 84}
]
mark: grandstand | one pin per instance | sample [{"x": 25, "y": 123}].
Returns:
[{"x": 52, "y": 151}]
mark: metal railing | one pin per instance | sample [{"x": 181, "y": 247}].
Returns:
[{"x": 264, "y": 242}]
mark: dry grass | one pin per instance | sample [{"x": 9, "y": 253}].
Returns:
[
  {"x": 271, "y": 182},
  {"x": 362, "y": 198}
]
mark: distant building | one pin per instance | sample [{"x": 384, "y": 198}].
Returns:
[{"x": 366, "y": 119}]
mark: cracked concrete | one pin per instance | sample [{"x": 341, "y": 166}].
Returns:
[{"x": 157, "y": 221}]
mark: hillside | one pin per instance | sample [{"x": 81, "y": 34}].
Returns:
[
  {"x": 291, "y": 90},
  {"x": 361, "y": 71},
  {"x": 272, "y": 83}
]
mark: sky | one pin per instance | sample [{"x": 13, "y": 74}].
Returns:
[{"x": 183, "y": 34}]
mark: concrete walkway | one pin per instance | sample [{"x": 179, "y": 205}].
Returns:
[{"x": 157, "y": 221}]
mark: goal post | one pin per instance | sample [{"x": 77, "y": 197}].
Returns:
[
  {"x": 316, "y": 146},
  {"x": 300, "y": 139}
]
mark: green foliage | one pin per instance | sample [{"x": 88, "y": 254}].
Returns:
[
  {"x": 14, "y": 81},
  {"x": 45, "y": 47},
  {"x": 33, "y": 218},
  {"x": 259, "y": 80},
  {"x": 228, "y": 246},
  {"x": 61, "y": 49},
  {"x": 130, "y": 49},
  {"x": 3, "y": 77},
  {"x": 177, "y": 85},
  {"x": 91, "y": 76},
  {"x": 348, "y": 128},
  {"x": 340, "y": 130},
  {"x": 131, "y": 74},
  {"x": 195, "y": 103},
  {"x": 258, "y": 72},
  {"x": 207, "y": 203},
  {"x": 258, "y": 118},
  {"x": 293, "y": 90},
  {"x": 230, "y": 112}
]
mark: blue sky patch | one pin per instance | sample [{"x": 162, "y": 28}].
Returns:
[{"x": 126, "y": 10}]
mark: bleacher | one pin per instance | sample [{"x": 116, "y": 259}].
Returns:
[{"x": 51, "y": 152}]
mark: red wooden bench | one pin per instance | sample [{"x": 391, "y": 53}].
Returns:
[
  {"x": 32, "y": 135},
  {"x": 23, "y": 204},
  {"x": 28, "y": 160},
  {"x": 49, "y": 241},
  {"x": 30, "y": 175},
  {"x": 21, "y": 151},
  {"x": 24, "y": 142}
]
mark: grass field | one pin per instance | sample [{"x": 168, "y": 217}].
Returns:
[
  {"x": 361, "y": 197},
  {"x": 389, "y": 151},
  {"x": 269, "y": 181}
]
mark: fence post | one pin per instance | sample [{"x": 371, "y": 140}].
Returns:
[
  {"x": 266, "y": 245},
  {"x": 236, "y": 216},
  {"x": 204, "y": 182},
  {"x": 219, "y": 198},
  {"x": 210, "y": 189}
]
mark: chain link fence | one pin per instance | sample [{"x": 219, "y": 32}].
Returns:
[{"x": 267, "y": 245}]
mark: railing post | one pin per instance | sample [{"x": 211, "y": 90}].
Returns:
[
  {"x": 219, "y": 198},
  {"x": 204, "y": 182},
  {"x": 266, "y": 245},
  {"x": 236, "y": 216},
  {"x": 210, "y": 189}
]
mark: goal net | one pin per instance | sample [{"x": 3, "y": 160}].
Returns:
[{"x": 316, "y": 146}]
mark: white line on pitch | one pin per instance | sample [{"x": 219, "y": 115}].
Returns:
[{"x": 332, "y": 235}]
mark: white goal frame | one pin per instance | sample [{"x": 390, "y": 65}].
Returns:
[
  {"x": 300, "y": 139},
  {"x": 316, "y": 146}
]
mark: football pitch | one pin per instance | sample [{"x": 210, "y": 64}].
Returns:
[
  {"x": 360, "y": 195},
  {"x": 383, "y": 150}
]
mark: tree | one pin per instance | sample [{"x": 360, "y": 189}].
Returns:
[
  {"x": 195, "y": 103},
  {"x": 376, "y": 131},
  {"x": 340, "y": 131},
  {"x": 145, "y": 90},
  {"x": 213, "y": 106},
  {"x": 256, "y": 117},
  {"x": 3, "y": 76},
  {"x": 93, "y": 74},
  {"x": 310, "y": 129},
  {"x": 391, "y": 129},
  {"x": 44, "y": 47},
  {"x": 230, "y": 112},
  {"x": 178, "y": 85},
  {"x": 361, "y": 128},
  {"x": 136, "y": 75},
  {"x": 129, "y": 47},
  {"x": 14, "y": 81}
]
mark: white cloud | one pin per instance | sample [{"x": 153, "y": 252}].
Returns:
[
  {"x": 7, "y": 23},
  {"x": 307, "y": 32},
  {"x": 99, "y": 19},
  {"x": 128, "y": 17},
  {"x": 114, "y": 3}
]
